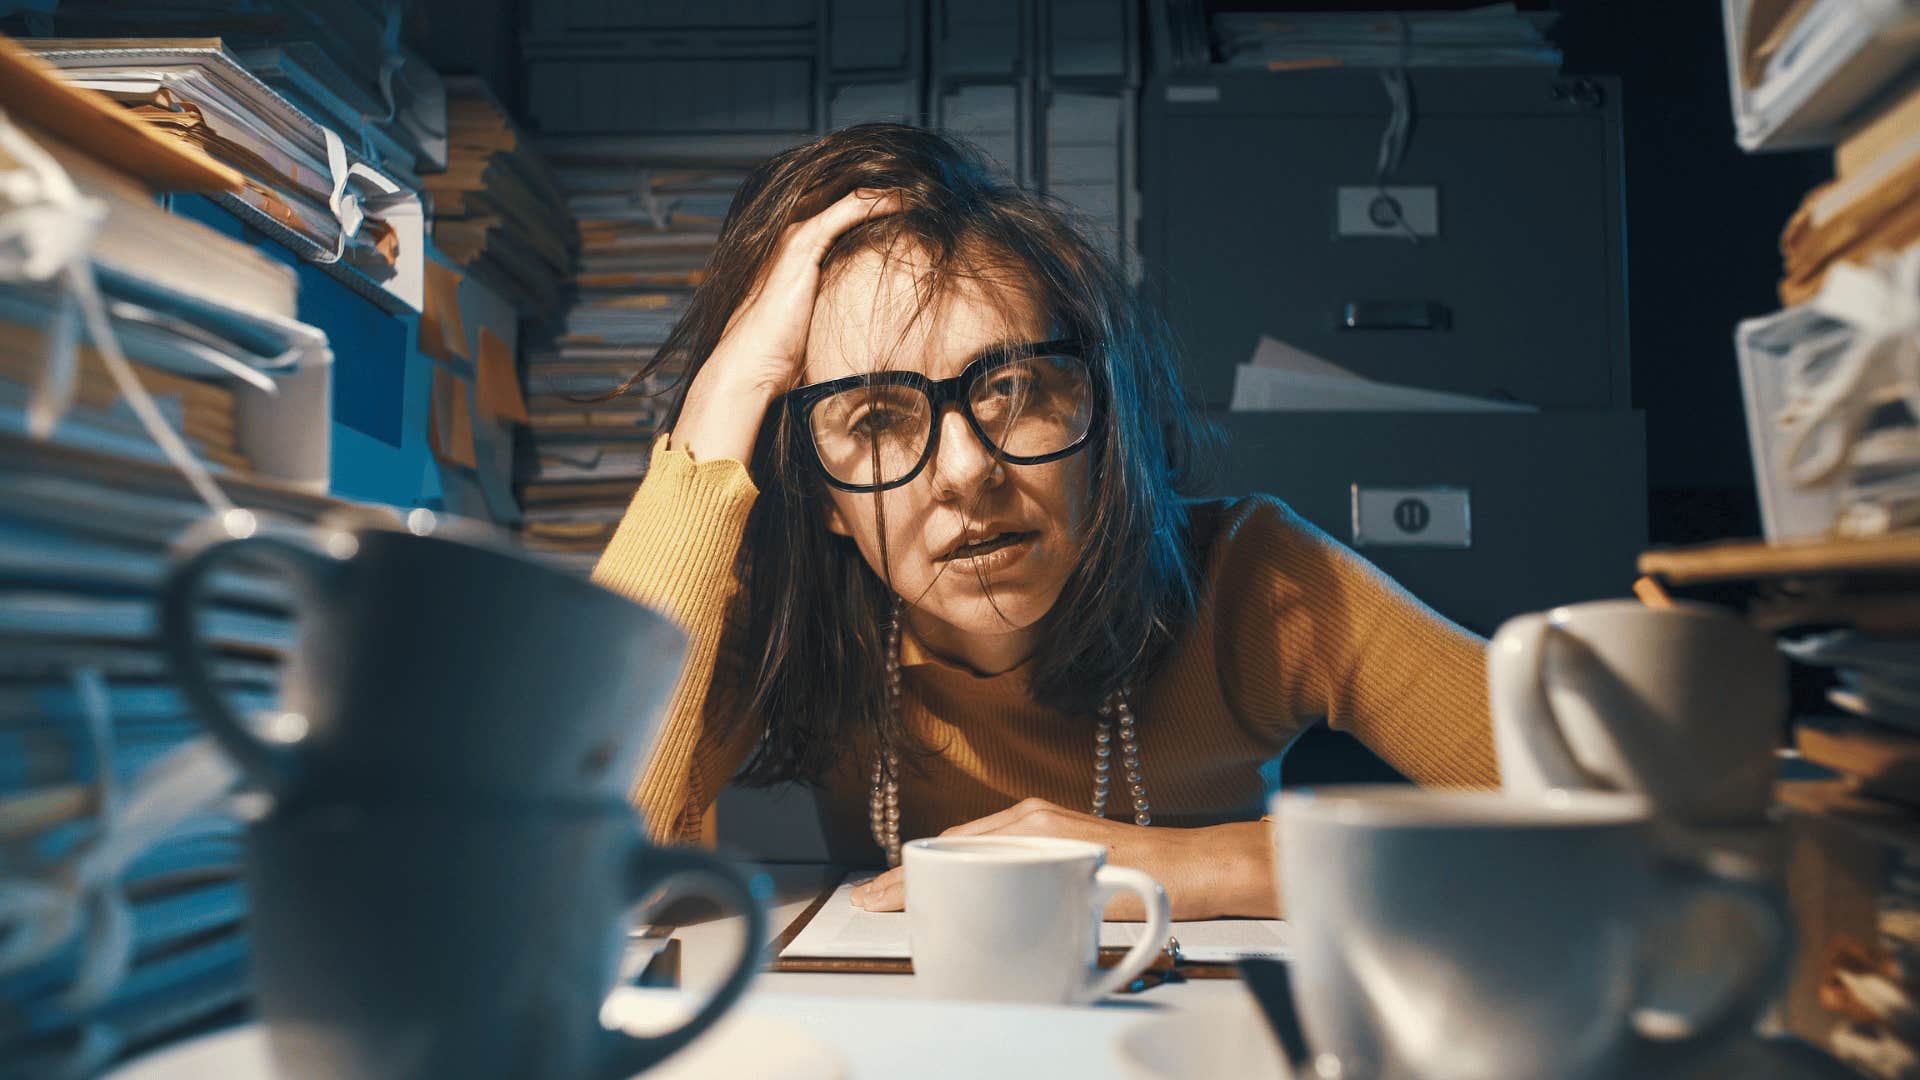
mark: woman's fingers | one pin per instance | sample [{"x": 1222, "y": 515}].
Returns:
[
  {"x": 996, "y": 822},
  {"x": 811, "y": 238},
  {"x": 769, "y": 327},
  {"x": 888, "y": 892}
]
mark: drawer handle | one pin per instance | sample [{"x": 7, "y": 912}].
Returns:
[{"x": 1395, "y": 315}]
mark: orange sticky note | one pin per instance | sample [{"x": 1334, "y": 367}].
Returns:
[
  {"x": 499, "y": 382},
  {"x": 442, "y": 335},
  {"x": 450, "y": 424}
]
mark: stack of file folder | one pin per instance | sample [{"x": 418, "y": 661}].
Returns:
[
  {"x": 1802, "y": 70},
  {"x": 344, "y": 64},
  {"x": 1835, "y": 449},
  {"x": 90, "y": 721},
  {"x": 88, "y": 714},
  {"x": 305, "y": 185},
  {"x": 497, "y": 211},
  {"x": 213, "y": 337},
  {"x": 1869, "y": 208},
  {"x": 645, "y": 237}
]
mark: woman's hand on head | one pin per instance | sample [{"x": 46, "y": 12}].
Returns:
[
  {"x": 760, "y": 352},
  {"x": 1209, "y": 873}
]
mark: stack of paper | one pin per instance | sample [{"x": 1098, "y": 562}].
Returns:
[
  {"x": 213, "y": 338},
  {"x": 1282, "y": 378},
  {"x": 305, "y": 185},
  {"x": 645, "y": 237},
  {"x": 1868, "y": 208},
  {"x": 88, "y": 718},
  {"x": 343, "y": 63},
  {"x": 307, "y": 76},
  {"x": 1494, "y": 35},
  {"x": 1829, "y": 380},
  {"x": 497, "y": 211},
  {"x": 90, "y": 721},
  {"x": 1879, "y": 675}
]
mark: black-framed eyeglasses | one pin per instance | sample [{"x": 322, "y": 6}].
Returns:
[{"x": 1030, "y": 403}]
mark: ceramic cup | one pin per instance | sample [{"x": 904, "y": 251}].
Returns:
[
  {"x": 1683, "y": 704},
  {"x": 474, "y": 940},
  {"x": 429, "y": 660},
  {"x": 1449, "y": 935},
  {"x": 1018, "y": 918}
]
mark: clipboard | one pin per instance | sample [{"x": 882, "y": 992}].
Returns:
[{"x": 1164, "y": 968}]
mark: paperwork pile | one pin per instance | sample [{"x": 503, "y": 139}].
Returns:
[
  {"x": 110, "y": 802},
  {"x": 645, "y": 237},
  {"x": 302, "y": 184},
  {"x": 1802, "y": 69},
  {"x": 1830, "y": 384},
  {"x": 1497, "y": 35},
  {"x": 123, "y": 915},
  {"x": 344, "y": 64},
  {"x": 497, "y": 210},
  {"x": 1868, "y": 209},
  {"x": 213, "y": 338},
  {"x": 1282, "y": 378}
]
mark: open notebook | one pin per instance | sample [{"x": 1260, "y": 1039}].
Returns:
[{"x": 837, "y": 930}]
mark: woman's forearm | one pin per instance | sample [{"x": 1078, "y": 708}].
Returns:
[
  {"x": 1238, "y": 880},
  {"x": 722, "y": 415}
]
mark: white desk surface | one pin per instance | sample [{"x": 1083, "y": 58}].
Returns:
[{"x": 708, "y": 949}]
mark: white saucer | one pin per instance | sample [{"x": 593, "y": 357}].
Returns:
[
  {"x": 1232, "y": 1040},
  {"x": 741, "y": 1044}
]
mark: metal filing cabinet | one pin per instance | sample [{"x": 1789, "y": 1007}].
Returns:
[{"x": 1259, "y": 191}]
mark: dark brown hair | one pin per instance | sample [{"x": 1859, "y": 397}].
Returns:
[{"x": 811, "y": 611}]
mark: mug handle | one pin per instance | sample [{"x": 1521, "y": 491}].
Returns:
[
  {"x": 1743, "y": 1003},
  {"x": 1108, "y": 883},
  {"x": 1532, "y": 749},
  {"x": 271, "y": 766},
  {"x": 627, "y": 1055}
]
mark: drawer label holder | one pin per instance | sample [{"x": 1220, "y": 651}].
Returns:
[{"x": 1429, "y": 517}]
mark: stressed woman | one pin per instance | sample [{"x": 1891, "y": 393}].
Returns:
[{"x": 925, "y": 514}]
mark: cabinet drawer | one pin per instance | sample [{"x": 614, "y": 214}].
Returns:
[
  {"x": 1556, "y": 501},
  {"x": 1259, "y": 190}
]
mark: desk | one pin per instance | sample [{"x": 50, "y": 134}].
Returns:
[
  {"x": 1078, "y": 1042},
  {"x": 872, "y": 1027}
]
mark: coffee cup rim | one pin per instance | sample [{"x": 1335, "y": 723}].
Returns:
[
  {"x": 1691, "y": 609},
  {"x": 1405, "y": 807},
  {"x": 1003, "y": 849}
]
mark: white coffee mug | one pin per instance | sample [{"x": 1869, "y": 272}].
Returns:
[
  {"x": 1463, "y": 935},
  {"x": 1683, "y": 704},
  {"x": 1018, "y": 918}
]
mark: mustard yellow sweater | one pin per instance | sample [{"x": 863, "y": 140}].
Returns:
[{"x": 1291, "y": 626}]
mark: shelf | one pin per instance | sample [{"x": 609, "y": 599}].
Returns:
[{"x": 1746, "y": 560}]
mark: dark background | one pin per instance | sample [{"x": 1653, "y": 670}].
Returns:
[{"x": 1702, "y": 220}]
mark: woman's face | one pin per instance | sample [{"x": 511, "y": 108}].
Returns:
[{"x": 979, "y": 602}]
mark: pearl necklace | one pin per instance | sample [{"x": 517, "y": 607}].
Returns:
[{"x": 883, "y": 802}]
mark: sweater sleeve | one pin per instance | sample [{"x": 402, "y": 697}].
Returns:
[
  {"x": 674, "y": 551},
  {"x": 1309, "y": 628}
]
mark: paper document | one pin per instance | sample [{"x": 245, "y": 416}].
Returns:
[
  {"x": 1283, "y": 378},
  {"x": 840, "y": 929}
]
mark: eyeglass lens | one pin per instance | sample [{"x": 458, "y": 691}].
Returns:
[{"x": 1027, "y": 408}]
